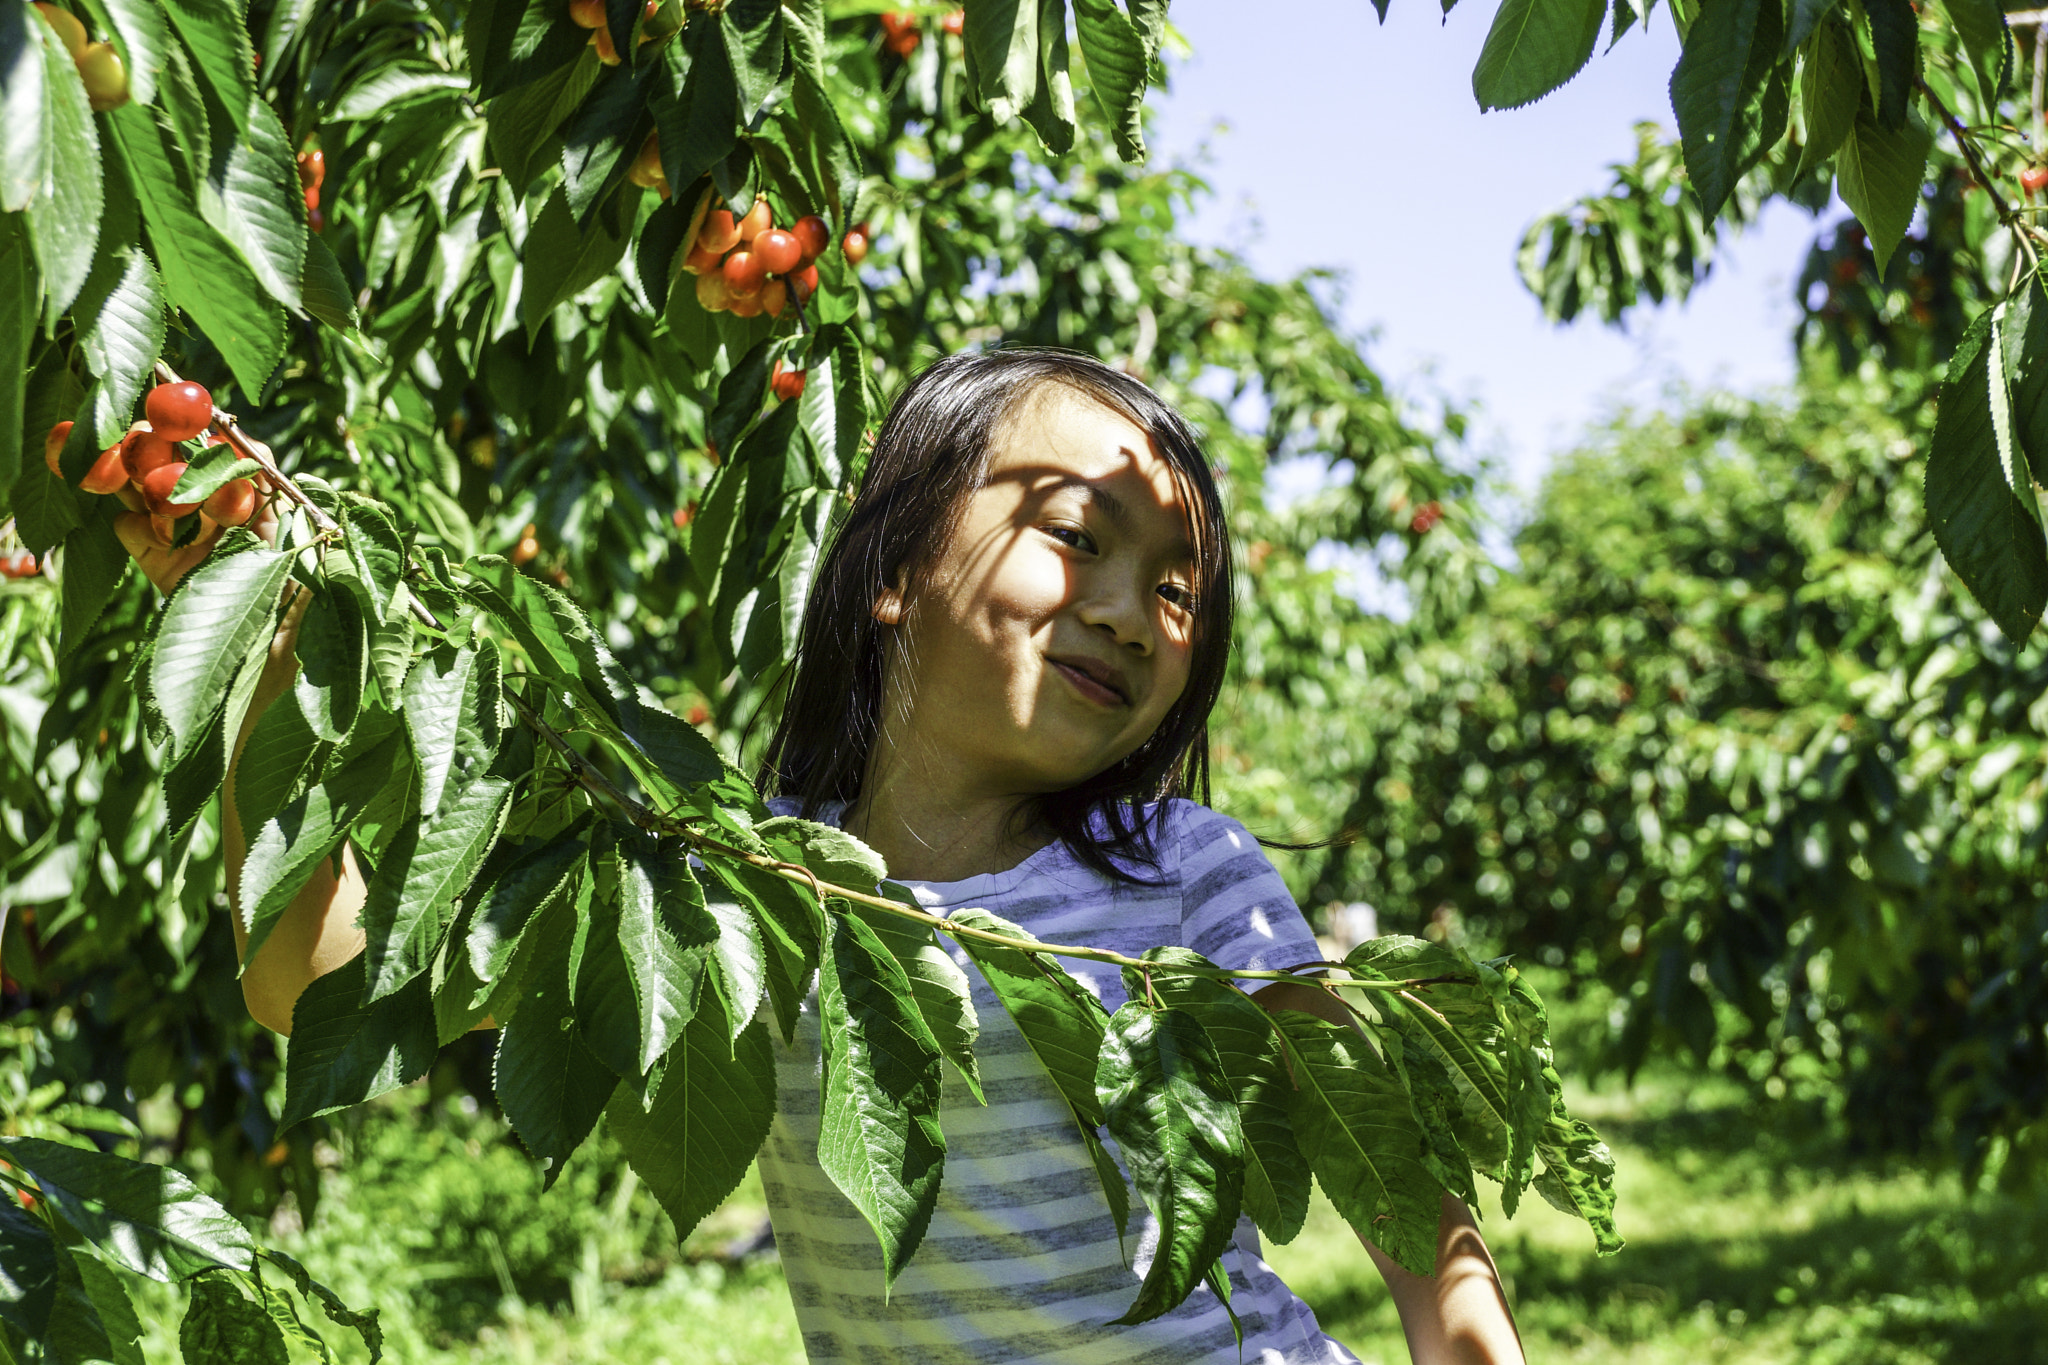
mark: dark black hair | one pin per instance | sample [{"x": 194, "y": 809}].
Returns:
[{"x": 931, "y": 453}]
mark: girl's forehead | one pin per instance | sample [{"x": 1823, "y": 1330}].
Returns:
[{"x": 1058, "y": 438}]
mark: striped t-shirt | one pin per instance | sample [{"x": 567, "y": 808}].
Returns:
[{"x": 1022, "y": 1261}]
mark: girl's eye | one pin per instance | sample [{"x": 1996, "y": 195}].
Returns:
[
  {"x": 1178, "y": 594},
  {"x": 1070, "y": 535}
]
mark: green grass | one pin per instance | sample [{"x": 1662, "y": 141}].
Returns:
[{"x": 1752, "y": 1238}]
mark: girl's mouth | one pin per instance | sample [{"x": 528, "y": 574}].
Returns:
[{"x": 1103, "y": 692}]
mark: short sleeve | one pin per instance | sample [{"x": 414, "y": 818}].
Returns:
[{"x": 1235, "y": 909}]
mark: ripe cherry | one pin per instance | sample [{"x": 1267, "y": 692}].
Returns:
[
  {"x": 804, "y": 283},
  {"x": 746, "y": 305},
  {"x": 774, "y": 298},
  {"x": 178, "y": 412},
  {"x": 607, "y": 51},
  {"x": 646, "y": 169},
  {"x": 720, "y": 233},
  {"x": 1427, "y": 517},
  {"x": 231, "y": 504},
  {"x": 109, "y": 473},
  {"x": 897, "y": 21},
  {"x": 587, "y": 13},
  {"x": 144, "y": 452},
  {"x": 683, "y": 515},
  {"x": 526, "y": 550},
  {"x": 758, "y": 220},
  {"x": 53, "y": 446},
  {"x": 744, "y": 272},
  {"x": 2033, "y": 178},
  {"x": 312, "y": 197},
  {"x": 697, "y": 714},
  {"x": 812, "y": 235},
  {"x": 157, "y": 486},
  {"x": 855, "y": 246},
  {"x": 955, "y": 23},
  {"x": 903, "y": 44},
  {"x": 788, "y": 385},
  {"x": 712, "y": 291},
  {"x": 312, "y": 168},
  {"x": 701, "y": 262},
  {"x": 780, "y": 251},
  {"x": 106, "y": 80},
  {"x": 67, "y": 26},
  {"x": 317, "y": 221}
]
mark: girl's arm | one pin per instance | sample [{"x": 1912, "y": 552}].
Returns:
[
  {"x": 318, "y": 931},
  {"x": 1461, "y": 1314}
]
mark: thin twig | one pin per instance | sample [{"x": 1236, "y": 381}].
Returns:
[{"x": 1961, "y": 133}]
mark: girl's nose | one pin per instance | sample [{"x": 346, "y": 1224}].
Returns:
[{"x": 1118, "y": 610}]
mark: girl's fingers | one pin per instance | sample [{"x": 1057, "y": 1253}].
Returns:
[
  {"x": 143, "y": 538},
  {"x": 131, "y": 497}
]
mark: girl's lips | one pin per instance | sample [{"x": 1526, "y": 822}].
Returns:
[{"x": 1099, "y": 693}]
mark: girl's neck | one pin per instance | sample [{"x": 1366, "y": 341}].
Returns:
[{"x": 930, "y": 830}]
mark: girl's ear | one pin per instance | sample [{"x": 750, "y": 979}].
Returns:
[{"x": 888, "y": 608}]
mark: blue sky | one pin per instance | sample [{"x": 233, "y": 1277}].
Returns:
[{"x": 1334, "y": 141}]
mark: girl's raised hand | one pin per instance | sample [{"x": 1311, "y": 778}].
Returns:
[{"x": 165, "y": 566}]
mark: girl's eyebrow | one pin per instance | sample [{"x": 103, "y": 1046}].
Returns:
[{"x": 1114, "y": 507}]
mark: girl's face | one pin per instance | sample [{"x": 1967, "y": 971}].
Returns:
[{"x": 1053, "y": 635}]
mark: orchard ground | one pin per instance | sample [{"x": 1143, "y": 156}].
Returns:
[{"x": 1754, "y": 1236}]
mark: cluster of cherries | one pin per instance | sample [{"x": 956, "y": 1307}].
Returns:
[
  {"x": 590, "y": 14},
  {"x": 899, "y": 29},
  {"x": 19, "y": 564},
  {"x": 143, "y": 467},
  {"x": 748, "y": 266},
  {"x": 313, "y": 170},
  {"x": 99, "y": 66}
]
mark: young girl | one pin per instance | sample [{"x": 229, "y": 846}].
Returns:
[{"x": 1003, "y": 685}]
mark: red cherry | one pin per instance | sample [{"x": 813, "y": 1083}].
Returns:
[
  {"x": 746, "y": 305},
  {"x": 526, "y": 550},
  {"x": 788, "y": 385},
  {"x": 178, "y": 412},
  {"x": 312, "y": 200},
  {"x": 779, "y": 251},
  {"x": 317, "y": 221},
  {"x": 53, "y": 445},
  {"x": 855, "y": 246},
  {"x": 745, "y": 272},
  {"x": 1427, "y": 517},
  {"x": 646, "y": 169},
  {"x": 896, "y": 22},
  {"x": 684, "y": 515},
  {"x": 109, "y": 473},
  {"x": 720, "y": 233},
  {"x": 804, "y": 283},
  {"x": 903, "y": 44},
  {"x": 312, "y": 168},
  {"x": 587, "y": 13},
  {"x": 697, "y": 714},
  {"x": 143, "y": 451},
  {"x": 2033, "y": 178},
  {"x": 812, "y": 235},
  {"x": 607, "y": 52},
  {"x": 156, "y": 490},
  {"x": 955, "y": 23},
  {"x": 233, "y": 503},
  {"x": 774, "y": 298},
  {"x": 701, "y": 262}
]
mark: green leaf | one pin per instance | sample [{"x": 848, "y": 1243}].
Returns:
[
  {"x": 1119, "y": 62},
  {"x": 120, "y": 314},
  {"x": 1831, "y": 90},
  {"x": 602, "y": 138},
  {"x": 879, "y": 1138},
  {"x": 944, "y": 998},
  {"x": 1002, "y": 39},
  {"x": 223, "y": 1326},
  {"x": 513, "y": 42},
  {"x": 1534, "y": 47},
  {"x": 440, "y": 691},
  {"x": 288, "y": 846},
  {"x": 1895, "y": 39},
  {"x": 833, "y": 406},
  {"x": 26, "y": 149},
  {"x": 221, "y": 50},
  {"x": 323, "y": 289},
  {"x": 1879, "y": 172},
  {"x": 664, "y": 930},
  {"x": 695, "y": 1142},
  {"x": 282, "y": 757},
  {"x": 696, "y": 104},
  {"x": 742, "y": 957},
  {"x": 527, "y": 878},
  {"x": 334, "y": 669},
  {"x": 1060, "y": 1020},
  {"x": 1990, "y": 538},
  {"x": 1276, "y": 1175},
  {"x": 45, "y": 508},
  {"x": 1718, "y": 92},
  {"x": 94, "y": 564},
  {"x": 1172, "y": 1112},
  {"x": 562, "y": 260},
  {"x": 141, "y": 1215},
  {"x": 28, "y": 1270},
  {"x": 247, "y": 196},
  {"x": 109, "y": 1298},
  {"x": 753, "y": 43},
  {"x": 346, "y": 1050},
  {"x": 211, "y": 470},
  {"x": 64, "y": 216},
  {"x": 600, "y": 982},
  {"x": 551, "y": 1086},
  {"x": 1050, "y": 111},
  {"x": 410, "y": 901},
  {"x": 551, "y": 629},
  {"x": 1981, "y": 26},
  {"x": 201, "y": 273},
  {"x": 2025, "y": 353},
  {"x": 223, "y": 607},
  {"x": 339, "y": 1313},
  {"x": 1354, "y": 1124},
  {"x": 18, "y": 309},
  {"x": 1802, "y": 17},
  {"x": 376, "y": 562}
]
